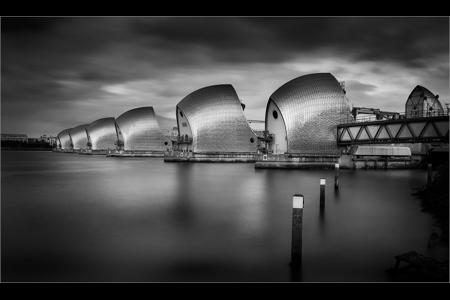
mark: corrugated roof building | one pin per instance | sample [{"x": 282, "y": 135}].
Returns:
[
  {"x": 79, "y": 137},
  {"x": 139, "y": 130},
  {"x": 303, "y": 113},
  {"x": 64, "y": 139},
  {"x": 102, "y": 134},
  {"x": 214, "y": 118}
]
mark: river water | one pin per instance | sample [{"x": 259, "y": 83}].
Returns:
[{"x": 81, "y": 218}]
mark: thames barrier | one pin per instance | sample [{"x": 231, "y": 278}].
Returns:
[{"x": 308, "y": 124}]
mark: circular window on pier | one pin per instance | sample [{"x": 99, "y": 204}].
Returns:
[
  {"x": 165, "y": 143},
  {"x": 252, "y": 140},
  {"x": 275, "y": 114}
]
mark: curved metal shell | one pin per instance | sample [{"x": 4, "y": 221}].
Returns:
[
  {"x": 422, "y": 103},
  {"x": 216, "y": 119},
  {"x": 311, "y": 106},
  {"x": 140, "y": 130},
  {"x": 102, "y": 134},
  {"x": 65, "y": 139},
  {"x": 79, "y": 136}
]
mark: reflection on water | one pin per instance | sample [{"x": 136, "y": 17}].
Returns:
[{"x": 68, "y": 217}]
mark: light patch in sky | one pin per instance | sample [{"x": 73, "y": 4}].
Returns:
[{"x": 119, "y": 89}]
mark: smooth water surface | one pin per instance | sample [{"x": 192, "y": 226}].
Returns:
[{"x": 81, "y": 218}]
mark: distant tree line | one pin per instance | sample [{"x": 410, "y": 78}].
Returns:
[{"x": 25, "y": 145}]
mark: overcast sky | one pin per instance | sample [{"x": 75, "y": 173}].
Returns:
[{"x": 61, "y": 72}]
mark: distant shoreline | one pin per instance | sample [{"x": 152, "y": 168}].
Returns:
[{"x": 27, "y": 149}]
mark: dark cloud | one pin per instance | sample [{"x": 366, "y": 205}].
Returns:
[
  {"x": 403, "y": 40},
  {"x": 52, "y": 65}
]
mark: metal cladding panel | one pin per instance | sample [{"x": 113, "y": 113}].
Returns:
[
  {"x": 102, "y": 134},
  {"x": 312, "y": 106},
  {"x": 79, "y": 136},
  {"x": 140, "y": 130},
  {"x": 217, "y": 120},
  {"x": 65, "y": 139}
]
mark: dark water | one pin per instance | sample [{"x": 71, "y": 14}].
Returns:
[{"x": 80, "y": 218}]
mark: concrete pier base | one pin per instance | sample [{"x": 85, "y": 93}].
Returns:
[
  {"x": 216, "y": 157},
  {"x": 296, "y": 161},
  {"x": 94, "y": 152},
  {"x": 135, "y": 153},
  {"x": 367, "y": 162}
]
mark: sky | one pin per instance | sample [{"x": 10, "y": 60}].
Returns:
[{"x": 61, "y": 72}]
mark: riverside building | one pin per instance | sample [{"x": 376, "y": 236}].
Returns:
[{"x": 15, "y": 137}]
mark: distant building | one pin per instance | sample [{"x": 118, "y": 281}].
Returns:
[
  {"x": 14, "y": 137},
  {"x": 52, "y": 140}
]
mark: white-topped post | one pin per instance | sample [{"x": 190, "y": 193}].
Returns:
[
  {"x": 297, "y": 219},
  {"x": 322, "y": 191},
  {"x": 336, "y": 176}
]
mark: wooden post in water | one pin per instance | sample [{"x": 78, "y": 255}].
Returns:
[
  {"x": 297, "y": 219},
  {"x": 336, "y": 176},
  {"x": 430, "y": 172},
  {"x": 322, "y": 192}
]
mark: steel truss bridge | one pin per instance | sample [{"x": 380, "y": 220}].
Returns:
[{"x": 406, "y": 130}]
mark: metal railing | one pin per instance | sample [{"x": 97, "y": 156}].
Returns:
[{"x": 399, "y": 116}]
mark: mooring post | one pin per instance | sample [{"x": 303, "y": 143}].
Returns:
[
  {"x": 322, "y": 191},
  {"x": 297, "y": 219},
  {"x": 336, "y": 176},
  {"x": 430, "y": 172}
]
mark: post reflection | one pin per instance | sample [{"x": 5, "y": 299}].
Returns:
[{"x": 182, "y": 206}]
